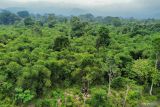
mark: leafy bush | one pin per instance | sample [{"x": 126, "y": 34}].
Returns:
[{"x": 23, "y": 96}]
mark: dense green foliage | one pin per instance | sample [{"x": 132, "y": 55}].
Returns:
[{"x": 85, "y": 61}]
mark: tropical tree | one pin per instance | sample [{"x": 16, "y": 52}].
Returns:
[
  {"x": 103, "y": 39},
  {"x": 36, "y": 79},
  {"x": 144, "y": 71},
  {"x": 77, "y": 27}
]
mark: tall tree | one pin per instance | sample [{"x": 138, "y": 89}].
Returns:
[
  {"x": 144, "y": 71},
  {"x": 156, "y": 45},
  {"x": 103, "y": 39},
  {"x": 35, "y": 78},
  {"x": 77, "y": 27}
]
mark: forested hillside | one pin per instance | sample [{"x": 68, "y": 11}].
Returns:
[{"x": 78, "y": 61}]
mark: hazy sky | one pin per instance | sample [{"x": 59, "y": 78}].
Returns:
[
  {"x": 84, "y": 2},
  {"x": 135, "y": 8},
  {"x": 90, "y": 3}
]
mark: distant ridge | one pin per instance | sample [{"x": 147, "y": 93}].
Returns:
[
  {"x": 15, "y": 9},
  {"x": 68, "y": 11}
]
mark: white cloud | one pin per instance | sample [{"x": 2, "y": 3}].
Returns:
[{"x": 78, "y": 2}]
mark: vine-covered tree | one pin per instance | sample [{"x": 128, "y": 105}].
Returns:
[{"x": 60, "y": 43}]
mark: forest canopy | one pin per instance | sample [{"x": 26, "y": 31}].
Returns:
[{"x": 58, "y": 61}]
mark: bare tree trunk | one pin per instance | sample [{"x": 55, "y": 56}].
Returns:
[
  {"x": 150, "y": 92},
  {"x": 84, "y": 97},
  {"x": 125, "y": 98},
  {"x": 88, "y": 92},
  {"x": 59, "y": 102},
  {"x": 65, "y": 98},
  {"x": 110, "y": 79},
  {"x": 151, "y": 88},
  {"x": 109, "y": 85},
  {"x": 156, "y": 61}
]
